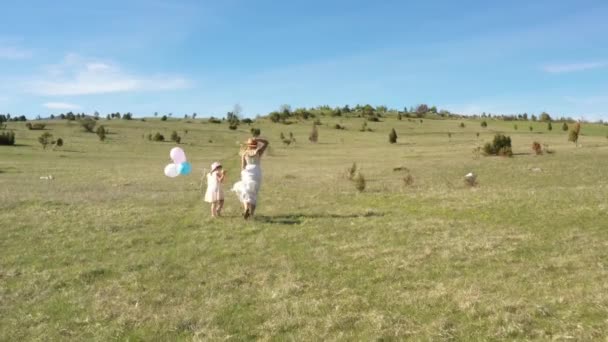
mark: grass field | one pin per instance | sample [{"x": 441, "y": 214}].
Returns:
[{"x": 113, "y": 249}]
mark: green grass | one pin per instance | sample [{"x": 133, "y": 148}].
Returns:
[{"x": 112, "y": 249}]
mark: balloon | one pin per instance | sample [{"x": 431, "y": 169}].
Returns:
[
  {"x": 184, "y": 168},
  {"x": 171, "y": 170},
  {"x": 177, "y": 155}
]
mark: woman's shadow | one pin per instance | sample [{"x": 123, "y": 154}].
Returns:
[{"x": 292, "y": 219}]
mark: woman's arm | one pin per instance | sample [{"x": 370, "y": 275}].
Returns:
[
  {"x": 243, "y": 162},
  {"x": 264, "y": 145}
]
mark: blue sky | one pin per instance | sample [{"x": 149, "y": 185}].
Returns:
[{"x": 186, "y": 56}]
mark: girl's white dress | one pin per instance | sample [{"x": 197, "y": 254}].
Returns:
[
  {"x": 214, "y": 188},
  {"x": 251, "y": 178}
]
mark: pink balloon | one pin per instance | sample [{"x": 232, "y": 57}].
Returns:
[{"x": 177, "y": 155}]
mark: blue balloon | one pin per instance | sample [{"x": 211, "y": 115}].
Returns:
[{"x": 184, "y": 168}]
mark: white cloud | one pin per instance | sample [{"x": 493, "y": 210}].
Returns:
[
  {"x": 61, "y": 105},
  {"x": 572, "y": 67},
  {"x": 79, "y": 76},
  {"x": 11, "y": 52}
]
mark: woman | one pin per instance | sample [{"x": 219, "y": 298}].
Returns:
[{"x": 251, "y": 175}]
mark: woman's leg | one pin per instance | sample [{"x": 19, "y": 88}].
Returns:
[
  {"x": 213, "y": 209},
  {"x": 252, "y": 209}
]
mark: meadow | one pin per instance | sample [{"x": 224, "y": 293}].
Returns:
[{"x": 111, "y": 249}]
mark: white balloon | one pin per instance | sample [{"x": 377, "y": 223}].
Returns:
[
  {"x": 171, "y": 171},
  {"x": 177, "y": 155}
]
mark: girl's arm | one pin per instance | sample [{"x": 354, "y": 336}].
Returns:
[
  {"x": 220, "y": 176},
  {"x": 243, "y": 162},
  {"x": 264, "y": 145}
]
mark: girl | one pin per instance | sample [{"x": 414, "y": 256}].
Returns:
[{"x": 215, "y": 193}]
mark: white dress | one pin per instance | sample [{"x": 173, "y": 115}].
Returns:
[
  {"x": 251, "y": 178},
  {"x": 214, "y": 188}
]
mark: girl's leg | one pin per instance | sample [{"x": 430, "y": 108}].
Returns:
[
  {"x": 252, "y": 209},
  {"x": 220, "y": 206},
  {"x": 213, "y": 209}
]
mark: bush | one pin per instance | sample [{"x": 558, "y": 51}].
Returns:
[
  {"x": 338, "y": 126},
  {"x": 484, "y": 124},
  {"x": 101, "y": 133},
  {"x": 314, "y": 134},
  {"x": 515, "y": 127},
  {"x": 175, "y": 137},
  {"x": 462, "y": 125},
  {"x": 247, "y": 121},
  {"x": 88, "y": 124},
  {"x": 59, "y": 142},
  {"x": 164, "y": 118},
  {"x": 359, "y": 182},
  {"x": 214, "y": 120},
  {"x": 500, "y": 146},
  {"x": 45, "y": 139},
  {"x": 7, "y": 138},
  {"x": 351, "y": 171},
  {"x": 574, "y": 133},
  {"x": 233, "y": 126},
  {"x": 408, "y": 180},
  {"x": 531, "y": 128},
  {"x": 564, "y": 127},
  {"x": 549, "y": 126},
  {"x": 35, "y": 127},
  {"x": 255, "y": 132},
  {"x": 392, "y": 136},
  {"x": 537, "y": 148},
  {"x": 158, "y": 137}
]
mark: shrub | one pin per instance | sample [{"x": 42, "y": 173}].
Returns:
[
  {"x": 531, "y": 128},
  {"x": 158, "y": 137},
  {"x": 564, "y": 127},
  {"x": 408, "y": 180},
  {"x": 175, "y": 137},
  {"x": 101, "y": 133},
  {"x": 233, "y": 126},
  {"x": 45, "y": 139},
  {"x": 338, "y": 126},
  {"x": 515, "y": 127},
  {"x": 450, "y": 136},
  {"x": 282, "y": 136},
  {"x": 359, "y": 182},
  {"x": 214, "y": 120},
  {"x": 314, "y": 134},
  {"x": 7, "y": 138},
  {"x": 247, "y": 121},
  {"x": 255, "y": 132},
  {"x": 399, "y": 116},
  {"x": 537, "y": 148},
  {"x": 574, "y": 133},
  {"x": 351, "y": 171},
  {"x": 477, "y": 134},
  {"x": 163, "y": 118},
  {"x": 549, "y": 126},
  {"x": 462, "y": 125},
  {"x": 484, "y": 124},
  {"x": 59, "y": 142},
  {"x": 317, "y": 122},
  {"x": 88, "y": 124},
  {"x": 392, "y": 136},
  {"x": 35, "y": 126},
  {"x": 500, "y": 146}
]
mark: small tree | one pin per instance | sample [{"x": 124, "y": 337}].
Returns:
[
  {"x": 58, "y": 143},
  {"x": 163, "y": 118},
  {"x": 537, "y": 148},
  {"x": 531, "y": 128},
  {"x": 564, "y": 127},
  {"x": 101, "y": 133},
  {"x": 158, "y": 137},
  {"x": 314, "y": 134},
  {"x": 484, "y": 124},
  {"x": 282, "y": 136},
  {"x": 515, "y": 127},
  {"x": 549, "y": 126},
  {"x": 501, "y": 146},
  {"x": 399, "y": 116},
  {"x": 45, "y": 139},
  {"x": 88, "y": 124},
  {"x": 392, "y": 136},
  {"x": 462, "y": 125},
  {"x": 175, "y": 137},
  {"x": 255, "y": 132},
  {"x": 7, "y": 138},
  {"x": 574, "y": 133},
  {"x": 359, "y": 182}
]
